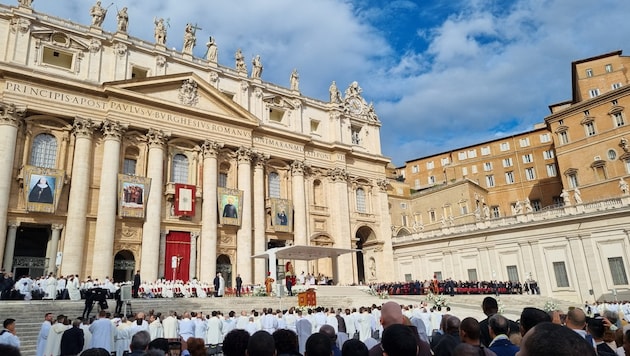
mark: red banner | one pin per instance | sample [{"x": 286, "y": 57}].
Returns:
[
  {"x": 177, "y": 255},
  {"x": 185, "y": 200}
]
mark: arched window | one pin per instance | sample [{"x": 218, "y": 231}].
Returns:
[
  {"x": 361, "y": 200},
  {"x": 44, "y": 151},
  {"x": 180, "y": 168},
  {"x": 274, "y": 185}
]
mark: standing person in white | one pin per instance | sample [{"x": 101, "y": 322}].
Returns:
[
  {"x": 171, "y": 326},
  {"x": 43, "y": 334},
  {"x": 186, "y": 327},
  {"x": 103, "y": 331},
  {"x": 214, "y": 333}
]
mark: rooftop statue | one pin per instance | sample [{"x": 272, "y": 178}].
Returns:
[
  {"x": 295, "y": 80},
  {"x": 211, "y": 54},
  {"x": 159, "y": 32},
  {"x": 257, "y": 67},
  {"x": 123, "y": 20},
  {"x": 98, "y": 14}
]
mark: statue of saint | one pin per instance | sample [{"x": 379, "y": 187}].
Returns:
[
  {"x": 98, "y": 14},
  {"x": 240, "y": 61},
  {"x": 623, "y": 186},
  {"x": 577, "y": 196},
  {"x": 335, "y": 94},
  {"x": 25, "y": 3},
  {"x": 257, "y": 67},
  {"x": 295, "y": 80},
  {"x": 211, "y": 55},
  {"x": 159, "y": 32},
  {"x": 565, "y": 197},
  {"x": 123, "y": 20},
  {"x": 189, "y": 39},
  {"x": 528, "y": 206}
]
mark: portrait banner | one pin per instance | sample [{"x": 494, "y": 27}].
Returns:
[
  {"x": 282, "y": 215},
  {"x": 42, "y": 188},
  {"x": 133, "y": 193},
  {"x": 230, "y": 206},
  {"x": 185, "y": 200}
]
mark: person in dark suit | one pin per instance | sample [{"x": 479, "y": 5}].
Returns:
[
  {"x": 72, "y": 340},
  {"x": 282, "y": 218},
  {"x": 229, "y": 210},
  {"x": 136, "y": 284},
  {"x": 239, "y": 285}
]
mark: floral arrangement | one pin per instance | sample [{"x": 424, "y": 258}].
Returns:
[
  {"x": 550, "y": 305},
  {"x": 383, "y": 294},
  {"x": 438, "y": 301},
  {"x": 501, "y": 306}
]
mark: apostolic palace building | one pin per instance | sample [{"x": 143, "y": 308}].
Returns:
[
  {"x": 124, "y": 155},
  {"x": 120, "y": 154}
]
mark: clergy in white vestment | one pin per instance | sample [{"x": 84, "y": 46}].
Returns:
[
  {"x": 186, "y": 327},
  {"x": 364, "y": 325},
  {"x": 242, "y": 320},
  {"x": 214, "y": 334},
  {"x": 87, "y": 335},
  {"x": 251, "y": 326},
  {"x": 228, "y": 324},
  {"x": 304, "y": 331},
  {"x": 138, "y": 325},
  {"x": 103, "y": 332},
  {"x": 155, "y": 327},
  {"x": 122, "y": 338},
  {"x": 51, "y": 287},
  {"x": 201, "y": 326},
  {"x": 171, "y": 326},
  {"x": 25, "y": 286},
  {"x": 269, "y": 322},
  {"x": 350, "y": 323},
  {"x": 290, "y": 319},
  {"x": 331, "y": 319},
  {"x": 221, "y": 290},
  {"x": 73, "y": 288},
  {"x": 53, "y": 343},
  {"x": 43, "y": 334}
]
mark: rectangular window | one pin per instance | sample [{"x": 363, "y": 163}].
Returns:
[
  {"x": 462, "y": 155},
  {"x": 558, "y": 201},
  {"x": 573, "y": 181},
  {"x": 464, "y": 171},
  {"x": 544, "y": 138},
  {"x": 416, "y": 183},
  {"x": 616, "y": 86},
  {"x": 505, "y": 146},
  {"x": 524, "y": 142},
  {"x": 548, "y": 154},
  {"x": 404, "y": 220},
  {"x": 430, "y": 165},
  {"x": 551, "y": 170},
  {"x": 438, "y": 275},
  {"x": 223, "y": 177},
  {"x": 512, "y": 273},
  {"x": 536, "y": 206},
  {"x": 507, "y": 162},
  {"x": 490, "y": 181},
  {"x": 530, "y": 174},
  {"x": 627, "y": 162},
  {"x": 560, "y": 270},
  {"x": 608, "y": 68},
  {"x": 431, "y": 180},
  {"x": 139, "y": 73},
  {"x": 487, "y": 166},
  {"x": 129, "y": 166},
  {"x": 408, "y": 277},
  {"x": 432, "y": 215},
  {"x": 593, "y": 93},
  {"x": 485, "y": 151},
  {"x": 590, "y": 128},
  {"x": 496, "y": 213},
  {"x": 617, "y": 271},
  {"x": 563, "y": 137},
  {"x": 472, "y": 153},
  {"x": 509, "y": 177},
  {"x": 445, "y": 161},
  {"x": 619, "y": 121},
  {"x": 415, "y": 169},
  {"x": 463, "y": 209},
  {"x": 472, "y": 274},
  {"x": 473, "y": 169},
  {"x": 589, "y": 72},
  {"x": 528, "y": 158},
  {"x": 57, "y": 58}
]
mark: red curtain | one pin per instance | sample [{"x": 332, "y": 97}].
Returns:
[{"x": 178, "y": 246}]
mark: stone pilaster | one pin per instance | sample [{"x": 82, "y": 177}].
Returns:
[
  {"x": 103, "y": 261},
  {"x": 260, "y": 224},
  {"x": 74, "y": 243},
  {"x": 385, "y": 268},
  {"x": 209, "y": 214},
  {"x": 151, "y": 228},
  {"x": 300, "y": 222},
  {"x": 53, "y": 246},
  {"x": 244, "y": 234},
  {"x": 11, "y": 118},
  {"x": 9, "y": 249},
  {"x": 192, "y": 270},
  {"x": 162, "y": 254},
  {"x": 341, "y": 224}
]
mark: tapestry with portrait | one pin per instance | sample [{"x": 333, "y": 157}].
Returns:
[
  {"x": 282, "y": 215},
  {"x": 133, "y": 193},
  {"x": 230, "y": 206},
  {"x": 42, "y": 188}
]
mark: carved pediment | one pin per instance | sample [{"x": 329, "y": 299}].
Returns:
[
  {"x": 186, "y": 90},
  {"x": 61, "y": 39}
]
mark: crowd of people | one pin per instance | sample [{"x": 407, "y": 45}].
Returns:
[
  {"x": 452, "y": 287},
  {"x": 389, "y": 329}
]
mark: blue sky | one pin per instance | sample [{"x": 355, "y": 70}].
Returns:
[{"x": 442, "y": 73}]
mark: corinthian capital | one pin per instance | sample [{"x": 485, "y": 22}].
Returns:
[
  {"x": 113, "y": 129},
  {"x": 156, "y": 137},
  {"x": 11, "y": 114},
  {"x": 298, "y": 168},
  {"x": 383, "y": 184},
  {"x": 244, "y": 154},
  {"x": 83, "y": 127},
  {"x": 261, "y": 159},
  {"x": 211, "y": 148},
  {"x": 338, "y": 174}
]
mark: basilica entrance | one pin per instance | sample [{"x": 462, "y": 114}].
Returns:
[
  {"x": 29, "y": 256},
  {"x": 177, "y": 264},
  {"x": 362, "y": 236},
  {"x": 124, "y": 266},
  {"x": 225, "y": 267}
]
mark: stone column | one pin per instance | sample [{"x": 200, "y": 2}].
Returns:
[
  {"x": 54, "y": 246},
  {"x": 103, "y": 260},
  {"x": 209, "y": 214},
  {"x": 260, "y": 225},
  {"x": 162, "y": 256},
  {"x": 74, "y": 243},
  {"x": 385, "y": 269},
  {"x": 10, "y": 246},
  {"x": 192, "y": 270},
  {"x": 340, "y": 214},
  {"x": 151, "y": 228},
  {"x": 244, "y": 234},
  {"x": 299, "y": 211},
  {"x": 10, "y": 119}
]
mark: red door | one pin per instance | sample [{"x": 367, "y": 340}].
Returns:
[{"x": 177, "y": 264}]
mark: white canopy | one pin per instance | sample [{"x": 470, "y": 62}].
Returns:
[{"x": 304, "y": 253}]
